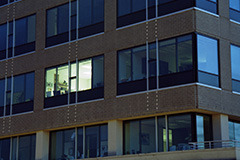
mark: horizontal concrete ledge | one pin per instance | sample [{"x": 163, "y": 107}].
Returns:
[{"x": 204, "y": 154}]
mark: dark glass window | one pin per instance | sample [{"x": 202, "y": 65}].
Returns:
[
  {"x": 3, "y": 41},
  {"x": 90, "y": 21},
  {"x": 179, "y": 124},
  {"x": 23, "y": 94},
  {"x": 132, "y": 69},
  {"x": 139, "y": 136},
  {"x": 24, "y": 37},
  {"x": 5, "y": 149},
  {"x": 5, "y": 2},
  {"x": 162, "y": 134},
  {"x": 63, "y": 144},
  {"x": 2, "y": 93},
  {"x": 85, "y": 79},
  {"x": 207, "y": 49},
  {"x": 234, "y": 131},
  {"x": 208, "y": 5},
  {"x": 142, "y": 136},
  {"x": 96, "y": 141},
  {"x": 235, "y": 59},
  {"x": 26, "y": 147},
  {"x": 234, "y": 10},
  {"x": 57, "y": 25}
]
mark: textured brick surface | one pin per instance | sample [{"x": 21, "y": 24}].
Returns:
[{"x": 188, "y": 98}]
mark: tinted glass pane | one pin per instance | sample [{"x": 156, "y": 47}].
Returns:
[
  {"x": 92, "y": 142},
  {"x": 50, "y": 82},
  {"x": 124, "y": 66},
  {"x": 85, "y": 75},
  {"x": 184, "y": 53},
  {"x": 131, "y": 137},
  {"x": 237, "y": 131},
  {"x": 235, "y": 59},
  {"x": 167, "y": 57},
  {"x": 2, "y": 91},
  {"x": 52, "y": 22},
  {"x": 29, "y": 90},
  {"x": 85, "y": 13},
  {"x": 14, "y": 148},
  {"x": 62, "y": 79},
  {"x": 139, "y": 63},
  {"x": 8, "y": 92},
  {"x": 62, "y": 18},
  {"x": 5, "y": 149},
  {"x": 138, "y": 5},
  {"x": 179, "y": 124},
  {"x": 208, "y": 79},
  {"x": 21, "y": 31},
  {"x": 124, "y": 7},
  {"x": 26, "y": 147},
  {"x": 152, "y": 66},
  {"x": 164, "y": 1},
  {"x": 63, "y": 144},
  {"x": 103, "y": 140},
  {"x": 80, "y": 143},
  {"x": 236, "y": 85},
  {"x": 231, "y": 130},
  {"x": 3, "y": 37},
  {"x": 207, "y": 54},
  {"x": 148, "y": 138},
  {"x": 31, "y": 27},
  {"x": 98, "y": 72},
  {"x": 19, "y": 89},
  {"x": 10, "y": 35},
  {"x": 98, "y": 11},
  {"x": 162, "y": 136},
  {"x": 200, "y": 130},
  {"x": 235, "y": 4}
]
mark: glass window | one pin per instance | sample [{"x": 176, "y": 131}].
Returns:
[
  {"x": 62, "y": 80},
  {"x": 8, "y": 91},
  {"x": 179, "y": 124},
  {"x": 152, "y": 60},
  {"x": 167, "y": 57},
  {"x": 207, "y": 60},
  {"x": 2, "y": 92},
  {"x": 18, "y": 91},
  {"x": 234, "y": 131},
  {"x": 80, "y": 143},
  {"x": 63, "y": 144},
  {"x": 14, "y": 148},
  {"x": 97, "y": 72},
  {"x": 235, "y": 59},
  {"x": 124, "y": 66},
  {"x": 73, "y": 77},
  {"x": 5, "y": 149},
  {"x": 124, "y": 7},
  {"x": 138, "y": 5},
  {"x": 139, "y": 63},
  {"x": 96, "y": 141},
  {"x": 162, "y": 135},
  {"x": 57, "y": 20},
  {"x": 234, "y": 4},
  {"x": 50, "y": 82},
  {"x": 26, "y": 147},
  {"x": 207, "y": 54},
  {"x": 90, "y": 12},
  {"x": 3, "y": 40},
  {"x": 184, "y": 53},
  {"x": 25, "y": 30},
  {"x": 139, "y": 136},
  {"x": 29, "y": 90},
  {"x": 85, "y": 75}
]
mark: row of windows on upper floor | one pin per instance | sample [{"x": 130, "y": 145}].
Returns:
[
  {"x": 81, "y": 18},
  {"x": 175, "y": 61},
  {"x": 154, "y": 134}
]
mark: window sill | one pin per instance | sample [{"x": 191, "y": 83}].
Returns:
[
  {"x": 235, "y": 92},
  {"x": 17, "y": 114},
  {"x": 236, "y": 22},
  {"x": 24, "y": 54}
]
